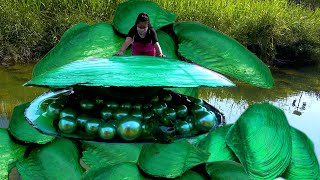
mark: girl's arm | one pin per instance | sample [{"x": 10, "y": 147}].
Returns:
[
  {"x": 158, "y": 50},
  {"x": 125, "y": 45}
]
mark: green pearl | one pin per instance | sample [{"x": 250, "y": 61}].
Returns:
[
  {"x": 112, "y": 105},
  {"x": 189, "y": 119},
  {"x": 67, "y": 125},
  {"x": 82, "y": 119},
  {"x": 183, "y": 127},
  {"x": 87, "y": 104},
  {"x": 146, "y": 106},
  {"x": 137, "y": 114},
  {"x": 107, "y": 131},
  {"x": 154, "y": 99},
  {"x": 126, "y": 105},
  {"x": 198, "y": 101},
  {"x": 129, "y": 128},
  {"x": 106, "y": 113},
  {"x": 45, "y": 104},
  {"x": 165, "y": 120},
  {"x": 197, "y": 108},
  {"x": 204, "y": 121},
  {"x": 60, "y": 101},
  {"x": 54, "y": 109},
  {"x": 182, "y": 111},
  {"x": 146, "y": 129},
  {"x": 92, "y": 126},
  {"x": 147, "y": 115},
  {"x": 164, "y": 105},
  {"x": 68, "y": 112},
  {"x": 137, "y": 106},
  {"x": 170, "y": 113},
  {"x": 114, "y": 123},
  {"x": 120, "y": 113},
  {"x": 167, "y": 98},
  {"x": 99, "y": 101},
  {"x": 157, "y": 109}
]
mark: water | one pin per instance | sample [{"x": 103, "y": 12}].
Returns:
[{"x": 297, "y": 93}]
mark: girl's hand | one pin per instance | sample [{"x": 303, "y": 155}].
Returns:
[
  {"x": 119, "y": 53},
  {"x": 162, "y": 55}
]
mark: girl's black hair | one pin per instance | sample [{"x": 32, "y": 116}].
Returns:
[{"x": 143, "y": 17}]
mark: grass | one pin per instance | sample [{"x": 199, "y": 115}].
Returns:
[{"x": 273, "y": 29}]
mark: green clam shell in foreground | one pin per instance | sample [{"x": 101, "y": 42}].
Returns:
[
  {"x": 22, "y": 130},
  {"x": 215, "y": 142},
  {"x": 172, "y": 160},
  {"x": 261, "y": 140},
  {"x": 57, "y": 159},
  {"x": 226, "y": 170},
  {"x": 304, "y": 163},
  {"x": 10, "y": 153},
  {"x": 119, "y": 171}
]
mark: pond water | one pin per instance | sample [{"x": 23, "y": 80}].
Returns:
[{"x": 297, "y": 93}]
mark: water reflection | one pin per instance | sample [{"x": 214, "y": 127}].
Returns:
[{"x": 12, "y": 93}]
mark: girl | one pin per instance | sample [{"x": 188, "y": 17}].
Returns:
[{"x": 143, "y": 38}]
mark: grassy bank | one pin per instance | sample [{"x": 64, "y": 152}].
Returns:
[{"x": 276, "y": 30}]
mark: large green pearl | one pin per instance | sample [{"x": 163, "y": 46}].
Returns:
[
  {"x": 120, "y": 113},
  {"x": 197, "y": 108},
  {"x": 82, "y": 119},
  {"x": 182, "y": 111},
  {"x": 67, "y": 124},
  {"x": 92, "y": 126},
  {"x": 106, "y": 113},
  {"x": 137, "y": 114},
  {"x": 204, "y": 120},
  {"x": 54, "y": 109},
  {"x": 157, "y": 109},
  {"x": 129, "y": 128},
  {"x": 107, "y": 131},
  {"x": 87, "y": 104},
  {"x": 68, "y": 112}
]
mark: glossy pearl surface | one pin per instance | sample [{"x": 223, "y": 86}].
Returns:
[{"x": 67, "y": 125}]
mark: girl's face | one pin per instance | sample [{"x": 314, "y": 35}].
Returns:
[{"x": 142, "y": 25}]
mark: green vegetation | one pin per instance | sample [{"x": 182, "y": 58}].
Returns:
[{"x": 273, "y": 29}]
